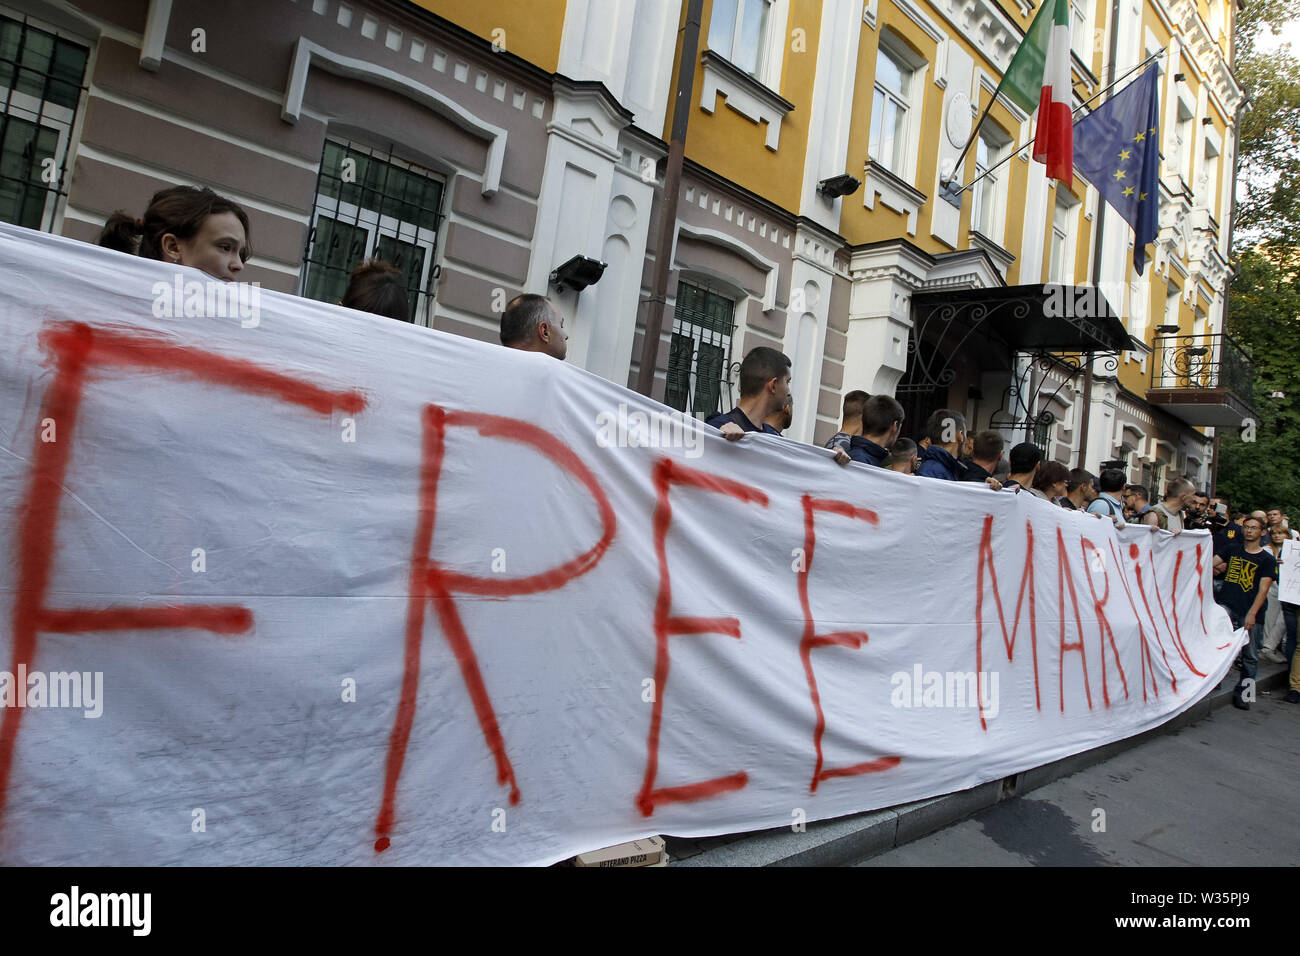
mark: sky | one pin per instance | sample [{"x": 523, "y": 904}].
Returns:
[{"x": 1291, "y": 34}]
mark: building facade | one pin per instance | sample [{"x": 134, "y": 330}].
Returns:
[{"x": 480, "y": 144}]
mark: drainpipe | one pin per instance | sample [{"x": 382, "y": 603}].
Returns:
[{"x": 654, "y": 319}]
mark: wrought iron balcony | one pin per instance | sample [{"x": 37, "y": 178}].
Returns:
[{"x": 1203, "y": 379}]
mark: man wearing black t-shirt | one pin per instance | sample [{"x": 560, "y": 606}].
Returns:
[
  {"x": 764, "y": 387},
  {"x": 764, "y": 390},
  {"x": 1248, "y": 569}
]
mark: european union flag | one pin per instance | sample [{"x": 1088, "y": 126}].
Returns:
[{"x": 1117, "y": 148}]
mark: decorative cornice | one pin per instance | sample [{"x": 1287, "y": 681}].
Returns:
[
  {"x": 917, "y": 16},
  {"x": 985, "y": 26},
  {"x": 1204, "y": 51},
  {"x": 893, "y": 192},
  {"x": 744, "y": 94},
  {"x": 1001, "y": 257},
  {"x": 307, "y": 54}
]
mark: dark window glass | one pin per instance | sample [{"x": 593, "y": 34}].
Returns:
[
  {"x": 23, "y": 150},
  {"x": 362, "y": 199},
  {"x": 38, "y": 72},
  {"x": 701, "y": 346}
]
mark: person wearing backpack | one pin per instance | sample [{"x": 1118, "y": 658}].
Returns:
[{"x": 1106, "y": 503}]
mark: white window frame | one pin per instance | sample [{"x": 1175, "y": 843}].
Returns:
[
  {"x": 907, "y": 138},
  {"x": 988, "y": 197},
  {"x": 1060, "y": 267},
  {"x": 767, "y": 69},
  {"x": 1184, "y": 137},
  {"x": 1208, "y": 184},
  {"x": 1173, "y": 306},
  {"x": 378, "y": 226},
  {"x": 1081, "y": 29}
]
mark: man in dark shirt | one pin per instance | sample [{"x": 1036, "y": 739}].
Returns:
[
  {"x": 947, "y": 431},
  {"x": 764, "y": 391},
  {"x": 1225, "y": 529},
  {"x": 1081, "y": 490},
  {"x": 1025, "y": 459},
  {"x": 850, "y": 424},
  {"x": 986, "y": 452},
  {"x": 1248, "y": 570},
  {"x": 782, "y": 418},
  {"x": 764, "y": 387},
  {"x": 882, "y": 420}
]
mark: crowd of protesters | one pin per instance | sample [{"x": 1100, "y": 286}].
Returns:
[
  {"x": 1247, "y": 548},
  {"x": 193, "y": 226}
]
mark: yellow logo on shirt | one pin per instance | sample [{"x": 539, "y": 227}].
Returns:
[{"x": 1241, "y": 573}]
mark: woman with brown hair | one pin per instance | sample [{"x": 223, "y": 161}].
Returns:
[
  {"x": 188, "y": 226},
  {"x": 1051, "y": 481}
]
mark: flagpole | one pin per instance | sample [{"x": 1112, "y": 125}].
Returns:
[{"x": 958, "y": 191}]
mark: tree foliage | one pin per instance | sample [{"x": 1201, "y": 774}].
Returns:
[
  {"x": 1260, "y": 466},
  {"x": 1268, "y": 194}
]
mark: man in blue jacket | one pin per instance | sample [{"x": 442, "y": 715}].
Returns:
[
  {"x": 882, "y": 420},
  {"x": 947, "y": 431}
]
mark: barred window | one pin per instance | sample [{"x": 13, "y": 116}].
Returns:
[
  {"x": 372, "y": 204},
  {"x": 41, "y": 78},
  {"x": 700, "y": 355}
]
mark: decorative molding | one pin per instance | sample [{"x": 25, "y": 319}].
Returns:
[
  {"x": 154, "y": 40},
  {"x": 744, "y": 94},
  {"x": 306, "y": 54},
  {"x": 914, "y": 13},
  {"x": 764, "y": 264},
  {"x": 1198, "y": 42},
  {"x": 586, "y": 114},
  {"x": 721, "y": 204},
  {"x": 893, "y": 192},
  {"x": 1001, "y": 257},
  {"x": 813, "y": 246},
  {"x": 985, "y": 26}
]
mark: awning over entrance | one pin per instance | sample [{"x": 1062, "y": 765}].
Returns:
[{"x": 1029, "y": 318}]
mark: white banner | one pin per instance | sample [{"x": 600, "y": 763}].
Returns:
[
  {"x": 298, "y": 585},
  {"x": 1288, "y": 582}
]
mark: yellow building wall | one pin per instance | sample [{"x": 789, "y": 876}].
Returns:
[
  {"x": 859, "y": 224},
  {"x": 733, "y": 146},
  {"x": 531, "y": 29}
]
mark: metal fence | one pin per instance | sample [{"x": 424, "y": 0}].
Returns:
[{"x": 1203, "y": 361}]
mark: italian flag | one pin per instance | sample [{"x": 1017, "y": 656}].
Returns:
[{"x": 1039, "y": 75}]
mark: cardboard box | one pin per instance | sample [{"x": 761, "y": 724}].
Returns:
[{"x": 647, "y": 852}]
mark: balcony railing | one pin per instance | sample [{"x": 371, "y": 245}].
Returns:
[{"x": 1203, "y": 361}]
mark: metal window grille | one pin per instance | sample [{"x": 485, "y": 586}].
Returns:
[
  {"x": 699, "y": 358},
  {"x": 373, "y": 204},
  {"x": 41, "y": 77}
]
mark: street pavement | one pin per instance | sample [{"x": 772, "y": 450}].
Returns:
[{"x": 1221, "y": 792}]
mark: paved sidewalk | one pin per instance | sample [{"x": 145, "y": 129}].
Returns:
[
  {"x": 1220, "y": 792},
  {"x": 1250, "y": 757}
]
